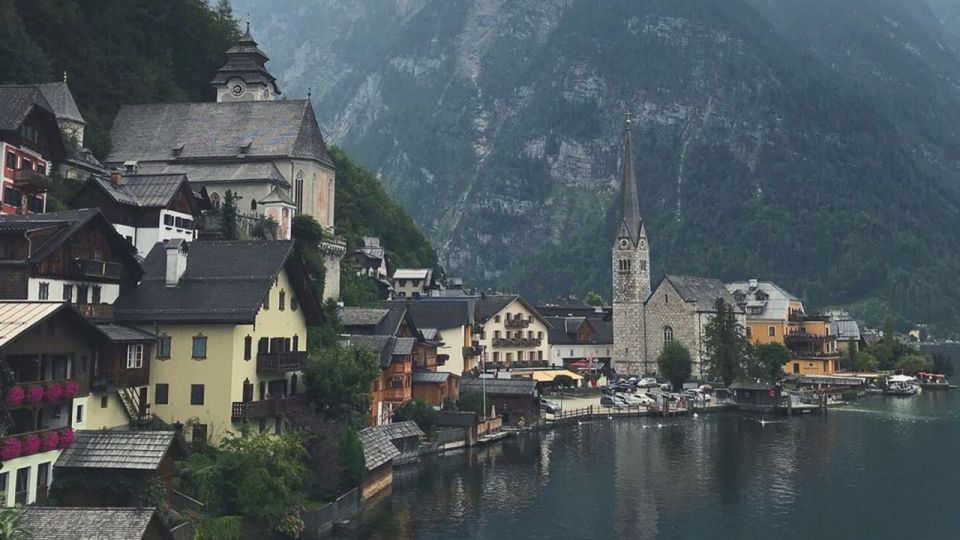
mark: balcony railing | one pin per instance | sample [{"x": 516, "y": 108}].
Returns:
[
  {"x": 797, "y": 316},
  {"x": 516, "y": 323},
  {"x": 243, "y": 410},
  {"x": 396, "y": 394},
  {"x": 89, "y": 268},
  {"x": 95, "y": 312},
  {"x": 121, "y": 378},
  {"x": 516, "y": 342},
  {"x": 470, "y": 352},
  {"x": 281, "y": 362},
  {"x": 804, "y": 338},
  {"x": 30, "y": 181}
]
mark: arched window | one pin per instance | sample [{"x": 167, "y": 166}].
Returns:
[
  {"x": 667, "y": 334},
  {"x": 215, "y": 200},
  {"x": 253, "y": 205}
]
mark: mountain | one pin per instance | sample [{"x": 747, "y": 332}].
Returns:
[{"x": 812, "y": 143}]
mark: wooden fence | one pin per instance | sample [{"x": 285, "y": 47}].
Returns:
[{"x": 321, "y": 520}]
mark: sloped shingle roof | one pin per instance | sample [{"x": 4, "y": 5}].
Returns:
[
  {"x": 143, "y": 190},
  {"x": 563, "y": 331},
  {"x": 61, "y": 101},
  {"x": 377, "y": 448},
  {"x": 16, "y": 102},
  {"x": 274, "y": 129},
  {"x": 431, "y": 377},
  {"x": 57, "y": 523},
  {"x": 702, "y": 291},
  {"x": 386, "y": 346},
  {"x": 19, "y": 317},
  {"x": 142, "y": 450},
  {"x": 499, "y": 387},
  {"x": 439, "y": 313},
  {"x": 119, "y": 333},
  {"x": 225, "y": 173},
  {"x": 402, "y": 430}
]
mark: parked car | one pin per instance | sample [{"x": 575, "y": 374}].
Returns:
[
  {"x": 646, "y": 401},
  {"x": 666, "y": 387},
  {"x": 550, "y": 406},
  {"x": 697, "y": 395},
  {"x": 647, "y": 382},
  {"x": 607, "y": 390},
  {"x": 630, "y": 399},
  {"x": 613, "y": 402}
]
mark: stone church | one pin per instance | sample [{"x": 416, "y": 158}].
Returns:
[
  {"x": 645, "y": 319},
  {"x": 268, "y": 152}
]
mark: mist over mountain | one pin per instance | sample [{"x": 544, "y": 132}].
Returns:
[{"x": 812, "y": 143}]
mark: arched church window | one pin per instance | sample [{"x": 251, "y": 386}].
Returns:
[
  {"x": 253, "y": 205},
  {"x": 215, "y": 200},
  {"x": 667, "y": 334}
]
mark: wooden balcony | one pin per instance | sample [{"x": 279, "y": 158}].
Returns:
[
  {"x": 121, "y": 377},
  {"x": 281, "y": 362},
  {"x": 516, "y": 342},
  {"x": 95, "y": 312},
  {"x": 471, "y": 352},
  {"x": 88, "y": 268},
  {"x": 396, "y": 394},
  {"x": 30, "y": 182},
  {"x": 516, "y": 323},
  {"x": 246, "y": 410}
]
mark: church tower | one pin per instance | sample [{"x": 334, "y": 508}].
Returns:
[
  {"x": 631, "y": 272},
  {"x": 245, "y": 77}
]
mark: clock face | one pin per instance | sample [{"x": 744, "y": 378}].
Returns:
[
  {"x": 237, "y": 89},
  {"x": 624, "y": 243}
]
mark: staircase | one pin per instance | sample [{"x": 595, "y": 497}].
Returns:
[{"x": 130, "y": 397}]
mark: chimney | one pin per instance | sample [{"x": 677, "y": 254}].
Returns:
[
  {"x": 176, "y": 261},
  {"x": 753, "y": 283},
  {"x": 116, "y": 177}
]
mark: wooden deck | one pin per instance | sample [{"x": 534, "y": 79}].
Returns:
[{"x": 593, "y": 412}]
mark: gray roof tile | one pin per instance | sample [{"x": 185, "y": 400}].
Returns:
[
  {"x": 702, "y": 291},
  {"x": 501, "y": 387},
  {"x": 57, "y": 523},
  {"x": 143, "y": 450},
  {"x": 377, "y": 448},
  {"x": 401, "y": 430},
  {"x": 430, "y": 377},
  {"x": 118, "y": 333},
  {"x": 61, "y": 101}
]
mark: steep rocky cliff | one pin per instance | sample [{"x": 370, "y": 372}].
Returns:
[{"x": 812, "y": 143}]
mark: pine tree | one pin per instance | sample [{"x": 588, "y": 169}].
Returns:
[{"x": 725, "y": 344}]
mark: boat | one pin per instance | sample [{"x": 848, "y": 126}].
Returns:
[
  {"x": 934, "y": 381},
  {"x": 901, "y": 385}
]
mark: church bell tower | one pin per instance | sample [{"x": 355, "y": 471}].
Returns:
[
  {"x": 245, "y": 77},
  {"x": 631, "y": 272}
]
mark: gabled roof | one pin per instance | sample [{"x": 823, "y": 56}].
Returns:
[
  {"x": 143, "y": 190},
  {"x": 225, "y": 282},
  {"x": 16, "y": 318},
  {"x": 354, "y": 316},
  {"x": 701, "y": 291},
  {"x": 439, "y": 313},
  {"x": 377, "y": 448},
  {"x": 61, "y": 101},
  {"x": 63, "y": 226},
  {"x": 246, "y": 61},
  {"x": 387, "y": 347},
  {"x": 431, "y": 377},
  {"x": 270, "y": 129},
  {"x": 412, "y": 273},
  {"x": 118, "y": 333},
  {"x": 401, "y": 430},
  {"x": 499, "y": 387},
  {"x": 60, "y": 523},
  {"x": 375, "y": 321},
  {"x": 112, "y": 449},
  {"x": 775, "y": 305},
  {"x": 563, "y": 331},
  {"x": 489, "y": 305},
  {"x": 16, "y": 103}
]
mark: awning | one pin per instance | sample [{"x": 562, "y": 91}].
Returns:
[{"x": 550, "y": 375}]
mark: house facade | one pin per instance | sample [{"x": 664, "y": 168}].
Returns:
[
  {"x": 513, "y": 333},
  {"x": 412, "y": 282},
  {"x": 452, "y": 324},
  {"x": 231, "y": 323},
  {"x": 144, "y": 209},
  {"x": 576, "y": 339},
  {"x": 30, "y": 143},
  {"x": 776, "y": 316}
]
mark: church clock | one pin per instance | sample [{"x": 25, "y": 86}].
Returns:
[
  {"x": 624, "y": 244},
  {"x": 237, "y": 89}
]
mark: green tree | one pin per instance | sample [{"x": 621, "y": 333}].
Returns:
[
  {"x": 884, "y": 354},
  {"x": 725, "y": 344},
  {"x": 356, "y": 290},
  {"x": 420, "y": 412},
  {"x": 257, "y": 476},
  {"x": 593, "y": 299},
  {"x": 914, "y": 362},
  {"x": 352, "y": 460},
  {"x": 228, "y": 217},
  {"x": 866, "y": 362},
  {"x": 675, "y": 364},
  {"x": 765, "y": 362},
  {"x": 11, "y": 524},
  {"x": 338, "y": 381}
]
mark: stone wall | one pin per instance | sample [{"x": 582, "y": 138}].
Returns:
[
  {"x": 665, "y": 309},
  {"x": 630, "y": 287}
]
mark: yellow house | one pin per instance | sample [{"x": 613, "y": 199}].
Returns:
[
  {"x": 776, "y": 316},
  {"x": 231, "y": 319}
]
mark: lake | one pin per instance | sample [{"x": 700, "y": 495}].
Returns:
[{"x": 882, "y": 467}]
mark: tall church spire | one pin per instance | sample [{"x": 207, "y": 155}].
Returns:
[
  {"x": 245, "y": 76},
  {"x": 630, "y": 204}
]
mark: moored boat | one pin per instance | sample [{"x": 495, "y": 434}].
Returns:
[
  {"x": 934, "y": 381},
  {"x": 901, "y": 385}
]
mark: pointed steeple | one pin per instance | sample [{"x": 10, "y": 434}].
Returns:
[
  {"x": 245, "y": 69},
  {"x": 630, "y": 202}
]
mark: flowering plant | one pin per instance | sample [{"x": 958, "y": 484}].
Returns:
[
  {"x": 66, "y": 437},
  {"x": 31, "y": 444},
  {"x": 51, "y": 441},
  {"x": 53, "y": 392},
  {"x": 70, "y": 389},
  {"x": 15, "y": 396},
  {"x": 11, "y": 449},
  {"x": 34, "y": 394}
]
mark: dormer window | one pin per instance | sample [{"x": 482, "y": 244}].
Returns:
[
  {"x": 177, "y": 150},
  {"x": 244, "y": 148}
]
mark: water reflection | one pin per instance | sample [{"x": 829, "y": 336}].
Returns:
[{"x": 723, "y": 475}]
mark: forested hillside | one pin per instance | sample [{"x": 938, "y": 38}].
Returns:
[
  {"x": 811, "y": 143},
  {"x": 117, "y": 52}
]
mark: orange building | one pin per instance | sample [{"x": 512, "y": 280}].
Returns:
[
  {"x": 776, "y": 316},
  {"x": 394, "y": 386}
]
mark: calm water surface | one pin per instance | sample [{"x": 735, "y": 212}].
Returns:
[{"x": 881, "y": 468}]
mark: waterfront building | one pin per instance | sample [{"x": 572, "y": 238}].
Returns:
[
  {"x": 774, "y": 315},
  {"x": 269, "y": 153},
  {"x": 631, "y": 273},
  {"x": 144, "y": 209},
  {"x": 435, "y": 387},
  {"x": 383, "y": 447},
  {"x": 30, "y": 143},
  {"x": 133, "y": 461},
  {"x": 393, "y": 387},
  {"x": 512, "y": 399},
  {"x": 580, "y": 340},
  {"x": 512, "y": 334},
  {"x": 231, "y": 319},
  {"x": 452, "y": 324},
  {"x": 847, "y": 331}
]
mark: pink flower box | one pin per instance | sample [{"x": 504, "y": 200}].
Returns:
[
  {"x": 70, "y": 389},
  {"x": 53, "y": 392},
  {"x": 11, "y": 449},
  {"x": 31, "y": 445},
  {"x": 15, "y": 396},
  {"x": 34, "y": 394},
  {"x": 66, "y": 437},
  {"x": 51, "y": 441}
]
